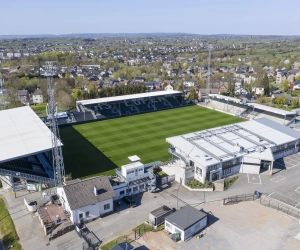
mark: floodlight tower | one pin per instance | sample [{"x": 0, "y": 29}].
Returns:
[
  {"x": 210, "y": 47},
  {"x": 57, "y": 158},
  {"x": 3, "y": 101}
]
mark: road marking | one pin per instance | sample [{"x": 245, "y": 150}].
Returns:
[
  {"x": 126, "y": 212},
  {"x": 254, "y": 178},
  {"x": 281, "y": 178},
  {"x": 298, "y": 191},
  {"x": 270, "y": 194}
]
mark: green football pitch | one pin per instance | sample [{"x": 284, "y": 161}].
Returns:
[{"x": 101, "y": 147}]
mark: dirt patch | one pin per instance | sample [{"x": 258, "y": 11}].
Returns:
[{"x": 158, "y": 240}]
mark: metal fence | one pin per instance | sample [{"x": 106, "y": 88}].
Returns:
[
  {"x": 280, "y": 207},
  {"x": 239, "y": 198}
]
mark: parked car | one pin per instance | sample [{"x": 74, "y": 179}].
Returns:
[{"x": 129, "y": 201}]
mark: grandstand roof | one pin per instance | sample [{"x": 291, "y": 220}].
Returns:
[
  {"x": 127, "y": 97},
  {"x": 209, "y": 147},
  {"x": 271, "y": 109},
  {"x": 22, "y": 133},
  {"x": 226, "y": 98}
]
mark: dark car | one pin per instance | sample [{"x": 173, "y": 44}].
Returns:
[{"x": 129, "y": 201}]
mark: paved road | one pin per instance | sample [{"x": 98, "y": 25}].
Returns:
[{"x": 284, "y": 182}]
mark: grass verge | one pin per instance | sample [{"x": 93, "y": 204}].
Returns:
[
  {"x": 7, "y": 228},
  {"x": 195, "y": 184},
  {"x": 228, "y": 182}
]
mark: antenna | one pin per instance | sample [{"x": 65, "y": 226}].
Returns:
[
  {"x": 2, "y": 101},
  {"x": 210, "y": 47},
  {"x": 57, "y": 158}
]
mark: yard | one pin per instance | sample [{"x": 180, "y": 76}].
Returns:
[
  {"x": 39, "y": 109},
  {"x": 101, "y": 147},
  {"x": 7, "y": 228}
]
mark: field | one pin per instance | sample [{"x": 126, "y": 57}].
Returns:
[
  {"x": 100, "y": 147},
  {"x": 39, "y": 109}
]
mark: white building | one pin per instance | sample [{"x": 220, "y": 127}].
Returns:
[
  {"x": 133, "y": 178},
  {"x": 37, "y": 96},
  {"x": 186, "y": 222},
  {"x": 87, "y": 199},
  {"x": 246, "y": 147}
]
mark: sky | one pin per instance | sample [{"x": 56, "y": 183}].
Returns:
[{"x": 255, "y": 17}]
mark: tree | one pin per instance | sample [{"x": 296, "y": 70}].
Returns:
[
  {"x": 280, "y": 100},
  {"x": 192, "y": 96},
  {"x": 297, "y": 78},
  {"x": 285, "y": 86},
  {"x": 265, "y": 83}
]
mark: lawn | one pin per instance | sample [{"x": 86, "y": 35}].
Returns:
[
  {"x": 7, "y": 228},
  {"x": 39, "y": 109},
  {"x": 100, "y": 147}
]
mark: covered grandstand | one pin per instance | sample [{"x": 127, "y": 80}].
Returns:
[
  {"x": 250, "y": 111},
  {"x": 116, "y": 106},
  {"x": 25, "y": 147}
]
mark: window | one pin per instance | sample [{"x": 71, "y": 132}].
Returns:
[
  {"x": 197, "y": 225},
  {"x": 198, "y": 171},
  {"x": 227, "y": 171},
  {"x": 192, "y": 163},
  {"x": 87, "y": 214},
  {"x": 80, "y": 216},
  {"x": 106, "y": 206},
  {"x": 135, "y": 189},
  {"x": 122, "y": 192},
  {"x": 188, "y": 232},
  {"x": 168, "y": 225},
  {"x": 177, "y": 231}
]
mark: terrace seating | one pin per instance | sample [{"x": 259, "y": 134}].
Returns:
[
  {"x": 46, "y": 165},
  {"x": 161, "y": 103},
  {"x": 105, "y": 110},
  {"x": 173, "y": 101},
  {"x": 145, "y": 106},
  {"x": 228, "y": 107},
  {"x": 128, "y": 108}
]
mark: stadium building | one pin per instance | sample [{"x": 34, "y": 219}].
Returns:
[
  {"x": 25, "y": 148},
  {"x": 246, "y": 147},
  {"x": 117, "y": 106},
  {"x": 249, "y": 110}
]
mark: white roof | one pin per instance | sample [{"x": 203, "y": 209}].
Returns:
[
  {"x": 22, "y": 133},
  {"x": 134, "y": 158},
  {"x": 271, "y": 109},
  {"x": 226, "y": 98},
  {"x": 208, "y": 147},
  {"x": 132, "y": 165},
  {"x": 127, "y": 97}
]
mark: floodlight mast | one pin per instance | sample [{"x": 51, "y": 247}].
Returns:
[
  {"x": 57, "y": 157},
  {"x": 3, "y": 101},
  {"x": 210, "y": 47}
]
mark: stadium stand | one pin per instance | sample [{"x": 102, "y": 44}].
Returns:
[
  {"x": 250, "y": 111},
  {"x": 129, "y": 104}
]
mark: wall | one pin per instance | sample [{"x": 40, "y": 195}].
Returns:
[
  {"x": 179, "y": 172},
  {"x": 64, "y": 202},
  {"x": 94, "y": 210},
  {"x": 249, "y": 168}
]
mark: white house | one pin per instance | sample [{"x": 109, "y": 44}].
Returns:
[
  {"x": 87, "y": 199},
  {"x": 186, "y": 222},
  {"x": 133, "y": 178},
  {"x": 170, "y": 87},
  {"x": 37, "y": 96},
  {"x": 189, "y": 83}
]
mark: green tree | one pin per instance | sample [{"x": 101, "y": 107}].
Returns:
[
  {"x": 285, "y": 85},
  {"x": 297, "y": 78},
  {"x": 192, "y": 96},
  {"x": 265, "y": 83}
]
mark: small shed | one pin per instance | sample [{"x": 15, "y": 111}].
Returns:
[
  {"x": 157, "y": 216},
  {"x": 187, "y": 222},
  {"x": 123, "y": 246}
]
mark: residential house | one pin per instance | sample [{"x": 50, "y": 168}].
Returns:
[
  {"x": 87, "y": 199},
  {"x": 24, "y": 96},
  {"x": 170, "y": 87},
  {"x": 173, "y": 72},
  {"x": 295, "y": 85},
  {"x": 189, "y": 83},
  {"x": 258, "y": 90},
  {"x": 37, "y": 96},
  {"x": 281, "y": 76}
]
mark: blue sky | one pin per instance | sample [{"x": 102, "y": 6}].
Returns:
[{"x": 255, "y": 17}]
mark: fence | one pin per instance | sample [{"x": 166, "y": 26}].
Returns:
[
  {"x": 167, "y": 179},
  {"x": 239, "y": 198},
  {"x": 281, "y": 207}
]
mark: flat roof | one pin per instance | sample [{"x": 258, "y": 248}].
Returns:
[
  {"x": 133, "y": 165},
  {"x": 22, "y": 133},
  {"x": 134, "y": 158},
  {"x": 127, "y": 97},
  {"x": 226, "y": 98},
  {"x": 209, "y": 147},
  {"x": 185, "y": 217},
  {"x": 271, "y": 109},
  {"x": 160, "y": 211}
]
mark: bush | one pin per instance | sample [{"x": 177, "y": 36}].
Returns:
[
  {"x": 229, "y": 182},
  {"x": 193, "y": 183},
  {"x": 1, "y": 184},
  {"x": 156, "y": 170}
]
